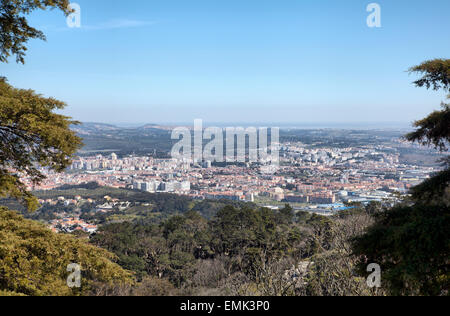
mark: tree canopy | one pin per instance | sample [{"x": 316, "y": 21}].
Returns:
[
  {"x": 411, "y": 241},
  {"x": 436, "y": 74},
  {"x": 15, "y": 31},
  {"x": 34, "y": 260},
  {"x": 411, "y": 244},
  {"x": 434, "y": 129},
  {"x": 31, "y": 136}
]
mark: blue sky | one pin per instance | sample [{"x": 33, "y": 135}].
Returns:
[{"x": 154, "y": 61}]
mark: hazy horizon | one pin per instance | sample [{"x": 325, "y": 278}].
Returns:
[{"x": 282, "y": 125}]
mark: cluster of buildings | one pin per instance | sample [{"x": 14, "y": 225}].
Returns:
[
  {"x": 306, "y": 175},
  {"x": 172, "y": 186},
  {"x": 68, "y": 219},
  {"x": 72, "y": 224}
]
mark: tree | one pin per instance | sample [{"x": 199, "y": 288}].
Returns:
[
  {"x": 286, "y": 215},
  {"x": 411, "y": 244},
  {"x": 34, "y": 260},
  {"x": 31, "y": 135},
  {"x": 434, "y": 129},
  {"x": 411, "y": 241},
  {"x": 436, "y": 74},
  {"x": 332, "y": 272},
  {"x": 152, "y": 286},
  {"x": 14, "y": 28}
]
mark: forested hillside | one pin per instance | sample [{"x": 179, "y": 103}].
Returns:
[{"x": 243, "y": 251}]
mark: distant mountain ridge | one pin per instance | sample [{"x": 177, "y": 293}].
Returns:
[
  {"x": 156, "y": 139},
  {"x": 87, "y": 128},
  {"x": 101, "y": 137}
]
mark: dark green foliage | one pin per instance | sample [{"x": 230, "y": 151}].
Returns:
[
  {"x": 436, "y": 74},
  {"x": 411, "y": 241},
  {"x": 433, "y": 190},
  {"x": 85, "y": 186},
  {"x": 234, "y": 230},
  {"x": 248, "y": 238},
  {"x": 165, "y": 250},
  {"x": 412, "y": 246},
  {"x": 433, "y": 130},
  {"x": 209, "y": 208},
  {"x": 286, "y": 215}
]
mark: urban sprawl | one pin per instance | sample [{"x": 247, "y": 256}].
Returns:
[{"x": 319, "y": 180}]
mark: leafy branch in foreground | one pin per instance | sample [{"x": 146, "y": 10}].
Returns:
[
  {"x": 411, "y": 241},
  {"x": 434, "y": 129},
  {"x": 31, "y": 135},
  {"x": 14, "y": 28},
  {"x": 436, "y": 74}
]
